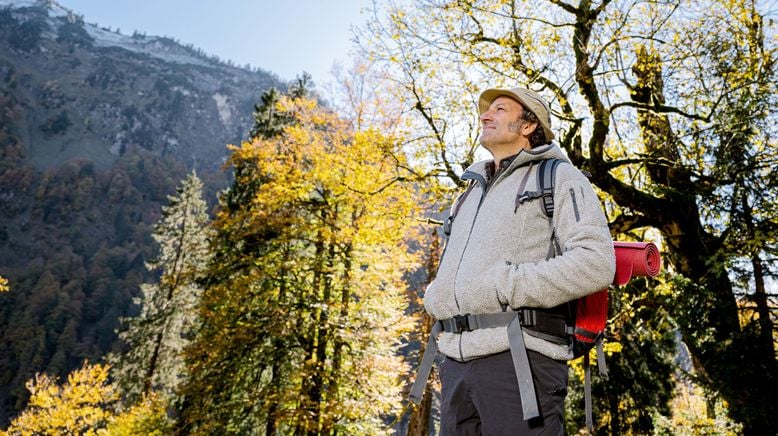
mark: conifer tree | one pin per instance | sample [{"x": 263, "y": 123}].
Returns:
[
  {"x": 157, "y": 336},
  {"x": 269, "y": 121}
]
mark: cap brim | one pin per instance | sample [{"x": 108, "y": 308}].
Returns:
[{"x": 490, "y": 95}]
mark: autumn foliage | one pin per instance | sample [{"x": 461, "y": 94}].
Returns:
[
  {"x": 303, "y": 308},
  {"x": 298, "y": 320},
  {"x": 79, "y": 406}
]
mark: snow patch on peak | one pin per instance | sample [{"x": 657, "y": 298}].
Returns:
[
  {"x": 54, "y": 9},
  {"x": 21, "y": 3},
  {"x": 150, "y": 45}
]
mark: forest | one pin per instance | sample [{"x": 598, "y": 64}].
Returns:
[{"x": 290, "y": 301}]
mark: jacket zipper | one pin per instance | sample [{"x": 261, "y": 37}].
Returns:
[
  {"x": 484, "y": 188},
  {"x": 480, "y": 179}
]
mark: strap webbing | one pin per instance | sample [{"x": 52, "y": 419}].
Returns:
[
  {"x": 588, "y": 380},
  {"x": 588, "y": 392},
  {"x": 539, "y": 323},
  {"x": 462, "y": 323},
  {"x": 529, "y": 401},
  {"x": 546, "y": 184},
  {"x": 601, "y": 359},
  {"x": 417, "y": 390}
]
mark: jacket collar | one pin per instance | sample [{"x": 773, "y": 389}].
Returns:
[{"x": 479, "y": 169}]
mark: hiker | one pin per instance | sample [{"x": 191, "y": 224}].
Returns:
[{"x": 505, "y": 255}]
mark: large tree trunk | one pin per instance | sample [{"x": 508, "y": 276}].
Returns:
[{"x": 729, "y": 359}]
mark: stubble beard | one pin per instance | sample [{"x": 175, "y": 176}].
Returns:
[
  {"x": 515, "y": 126},
  {"x": 512, "y": 127}
]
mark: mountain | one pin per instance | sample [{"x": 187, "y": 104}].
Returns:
[
  {"x": 88, "y": 91},
  {"x": 96, "y": 130}
]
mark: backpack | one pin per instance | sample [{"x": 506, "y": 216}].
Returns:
[{"x": 587, "y": 316}]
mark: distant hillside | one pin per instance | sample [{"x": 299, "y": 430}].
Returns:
[
  {"x": 90, "y": 92},
  {"x": 96, "y": 130}
]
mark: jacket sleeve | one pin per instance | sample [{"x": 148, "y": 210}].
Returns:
[{"x": 587, "y": 261}]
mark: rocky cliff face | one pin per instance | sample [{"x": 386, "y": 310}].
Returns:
[{"x": 88, "y": 92}]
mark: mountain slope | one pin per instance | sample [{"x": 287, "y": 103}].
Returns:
[
  {"x": 90, "y": 92},
  {"x": 96, "y": 129}
]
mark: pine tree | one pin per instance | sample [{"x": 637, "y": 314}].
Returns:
[
  {"x": 269, "y": 121},
  {"x": 157, "y": 336}
]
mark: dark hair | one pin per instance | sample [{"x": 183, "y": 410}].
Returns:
[{"x": 538, "y": 136}]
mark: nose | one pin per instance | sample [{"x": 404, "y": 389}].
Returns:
[{"x": 486, "y": 116}]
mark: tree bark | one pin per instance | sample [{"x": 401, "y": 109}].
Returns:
[{"x": 710, "y": 305}]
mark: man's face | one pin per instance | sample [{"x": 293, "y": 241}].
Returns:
[{"x": 502, "y": 126}]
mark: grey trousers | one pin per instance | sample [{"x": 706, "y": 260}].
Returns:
[{"x": 481, "y": 397}]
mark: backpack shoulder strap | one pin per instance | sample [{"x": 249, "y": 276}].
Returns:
[
  {"x": 546, "y": 178},
  {"x": 546, "y": 175},
  {"x": 455, "y": 208}
]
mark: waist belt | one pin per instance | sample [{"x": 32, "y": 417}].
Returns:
[
  {"x": 544, "y": 324},
  {"x": 513, "y": 321}
]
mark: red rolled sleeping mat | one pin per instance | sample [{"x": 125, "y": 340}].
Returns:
[
  {"x": 632, "y": 259},
  {"x": 635, "y": 259}
]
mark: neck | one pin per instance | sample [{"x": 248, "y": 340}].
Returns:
[{"x": 498, "y": 154}]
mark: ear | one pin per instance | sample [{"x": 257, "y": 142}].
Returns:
[{"x": 528, "y": 128}]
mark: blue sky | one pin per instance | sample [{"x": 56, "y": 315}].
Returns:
[{"x": 285, "y": 37}]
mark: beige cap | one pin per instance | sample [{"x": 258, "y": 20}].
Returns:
[{"x": 529, "y": 99}]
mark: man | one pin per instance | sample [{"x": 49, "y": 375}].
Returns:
[{"x": 503, "y": 255}]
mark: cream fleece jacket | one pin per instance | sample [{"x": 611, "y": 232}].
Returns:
[{"x": 496, "y": 253}]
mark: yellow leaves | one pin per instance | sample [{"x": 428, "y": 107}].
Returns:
[
  {"x": 609, "y": 348},
  {"x": 320, "y": 160},
  {"x": 695, "y": 412},
  {"x": 85, "y": 405},
  {"x": 148, "y": 418},
  {"x": 80, "y": 406},
  {"x": 294, "y": 105},
  {"x": 3, "y": 284}
]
